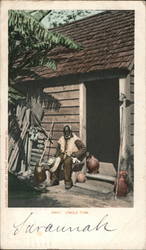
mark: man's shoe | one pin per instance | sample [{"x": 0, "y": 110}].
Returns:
[{"x": 68, "y": 186}]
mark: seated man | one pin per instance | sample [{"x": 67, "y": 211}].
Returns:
[{"x": 69, "y": 145}]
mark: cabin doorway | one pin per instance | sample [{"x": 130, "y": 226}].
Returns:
[{"x": 102, "y": 120}]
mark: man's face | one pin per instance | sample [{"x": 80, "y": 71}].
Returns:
[{"x": 67, "y": 132}]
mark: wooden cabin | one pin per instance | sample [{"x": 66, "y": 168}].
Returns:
[{"x": 91, "y": 84}]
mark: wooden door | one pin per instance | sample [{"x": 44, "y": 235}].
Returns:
[{"x": 102, "y": 119}]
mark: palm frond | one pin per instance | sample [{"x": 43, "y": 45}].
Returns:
[
  {"x": 40, "y": 14},
  {"x": 14, "y": 96},
  {"x": 26, "y": 24}
]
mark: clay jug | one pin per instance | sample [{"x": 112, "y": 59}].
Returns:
[
  {"x": 92, "y": 164},
  {"x": 81, "y": 177},
  {"x": 39, "y": 174},
  {"x": 122, "y": 188}
]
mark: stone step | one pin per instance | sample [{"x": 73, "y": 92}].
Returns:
[
  {"x": 96, "y": 186},
  {"x": 107, "y": 169},
  {"x": 102, "y": 183},
  {"x": 101, "y": 177}
]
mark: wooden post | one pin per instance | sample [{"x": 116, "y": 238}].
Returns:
[
  {"x": 83, "y": 117},
  {"x": 83, "y": 112},
  {"x": 124, "y": 88},
  {"x": 124, "y": 92}
]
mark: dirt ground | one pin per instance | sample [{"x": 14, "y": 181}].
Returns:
[{"x": 58, "y": 196}]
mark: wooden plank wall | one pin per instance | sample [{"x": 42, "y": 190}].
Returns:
[
  {"x": 36, "y": 150},
  {"x": 132, "y": 109},
  {"x": 67, "y": 113}
]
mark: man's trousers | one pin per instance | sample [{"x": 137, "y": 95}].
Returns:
[{"x": 67, "y": 168}]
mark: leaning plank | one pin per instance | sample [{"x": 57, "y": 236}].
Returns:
[
  {"x": 33, "y": 163},
  {"x": 35, "y": 150},
  {"x": 40, "y": 141},
  {"x": 35, "y": 155},
  {"x": 40, "y": 146},
  {"x": 29, "y": 150},
  {"x": 21, "y": 115},
  {"x": 19, "y": 143},
  {"x": 100, "y": 177},
  {"x": 15, "y": 163},
  {"x": 35, "y": 159}
]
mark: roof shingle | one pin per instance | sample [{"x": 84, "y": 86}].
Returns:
[{"x": 108, "y": 43}]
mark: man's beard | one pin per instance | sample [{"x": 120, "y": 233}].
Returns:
[{"x": 68, "y": 136}]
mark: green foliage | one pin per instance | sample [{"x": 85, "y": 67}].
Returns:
[
  {"x": 23, "y": 23},
  {"x": 29, "y": 43},
  {"x": 14, "y": 96},
  {"x": 40, "y": 14}
]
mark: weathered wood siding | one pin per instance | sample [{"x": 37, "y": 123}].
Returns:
[
  {"x": 127, "y": 88},
  {"x": 132, "y": 109},
  {"x": 66, "y": 112}
]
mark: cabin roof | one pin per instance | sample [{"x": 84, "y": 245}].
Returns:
[{"x": 108, "y": 44}]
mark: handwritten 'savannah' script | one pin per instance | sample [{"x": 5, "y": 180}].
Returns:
[{"x": 27, "y": 227}]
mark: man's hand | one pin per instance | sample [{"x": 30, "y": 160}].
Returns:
[
  {"x": 75, "y": 160},
  {"x": 73, "y": 155}
]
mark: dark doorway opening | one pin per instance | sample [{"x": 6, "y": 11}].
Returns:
[{"x": 102, "y": 127}]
